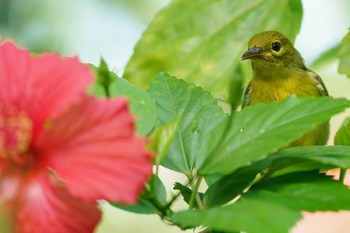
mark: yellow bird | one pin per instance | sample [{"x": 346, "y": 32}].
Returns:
[{"x": 278, "y": 72}]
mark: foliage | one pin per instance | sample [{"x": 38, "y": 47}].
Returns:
[
  {"x": 195, "y": 137},
  {"x": 344, "y": 55},
  {"x": 251, "y": 179}
]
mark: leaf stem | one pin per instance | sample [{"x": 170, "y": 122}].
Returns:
[
  {"x": 108, "y": 94},
  {"x": 195, "y": 196},
  {"x": 342, "y": 175}
]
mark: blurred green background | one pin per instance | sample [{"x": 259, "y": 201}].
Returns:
[{"x": 111, "y": 28}]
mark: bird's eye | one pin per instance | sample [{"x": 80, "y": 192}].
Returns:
[{"x": 276, "y": 46}]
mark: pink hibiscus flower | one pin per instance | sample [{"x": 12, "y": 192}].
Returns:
[{"x": 61, "y": 150}]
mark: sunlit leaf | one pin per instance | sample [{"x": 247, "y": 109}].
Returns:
[
  {"x": 262, "y": 129},
  {"x": 202, "y": 41}
]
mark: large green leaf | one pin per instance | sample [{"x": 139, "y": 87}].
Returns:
[
  {"x": 273, "y": 205},
  {"x": 230, "y": 186},
  {"x": 309, "y": 191},
  {"x": 202, "y": 40},
  {"x": 344, "y": 55},
  {"x": 312, "y": 157},
  {"x": 200, "y": 126},
  {"x": 262, "y": 129},
  {"x": 287, "y": 161},
  {"x": 253, "y": 216},
  {"x": 108, "y": 84}
]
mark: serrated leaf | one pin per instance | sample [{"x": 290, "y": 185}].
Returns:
[
  {"x": 201, "y": 122},
  {"x": 141, "y": 104},
  {"x": 202, "y": 41},
  {"x": 253, "y": 216},
  {"x": 342, "y": 136},
  {"x": 262, "y": 129},
  {"x": 344, "y": 56}
]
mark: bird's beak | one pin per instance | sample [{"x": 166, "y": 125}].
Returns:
[{"x": 255, "y": 52}]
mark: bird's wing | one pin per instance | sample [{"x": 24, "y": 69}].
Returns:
[
  {"x": 246, "y": 97},
  {"x": 319, "y": 83}
]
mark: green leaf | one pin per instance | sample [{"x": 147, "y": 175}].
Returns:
[
  {"x": 262, "y": 129},
  {"x": 344, "y": 56},
  {"x": 303, "y": 191},
  {"x": 201, "y": 122},
  {"x": 186, "y": 193},
  {"x": 158, "y": 190},
  {"x": 202, "y": 41},
  {"x": 342, "y": 136},
  {"x": 108, "y": 84},
  {"x": 236, "y": 89},
  {"x": 143, "y": 206},
  {"x": 287, "y": 161},
  {"x": 162, "y": 138},
  {"x": 104, "y": 78},
  {"x": 253, "y": 216},
  {"x": 230, "y": 186},
  {"x": 276, "y": 202},
  {"x": 141, "y": 104},
  {"x": 309, "y": 158}
]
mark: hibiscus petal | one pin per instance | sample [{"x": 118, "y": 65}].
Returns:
[
  {"x": 44, "y": 207},
  {"x": 43, "y": 86},
  {"x": 3, "y": 164},
  {"x": 94, "y": 150}
]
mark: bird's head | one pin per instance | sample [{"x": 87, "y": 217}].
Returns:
[{"x": 272, "y": 49}]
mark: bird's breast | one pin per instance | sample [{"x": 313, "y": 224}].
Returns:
[{"x": 275, "y": 90}]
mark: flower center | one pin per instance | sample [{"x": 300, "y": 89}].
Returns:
[{"x": 15, "y": 135}]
